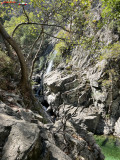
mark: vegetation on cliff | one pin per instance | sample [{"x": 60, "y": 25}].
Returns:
[{"x": 26, "y": 32}]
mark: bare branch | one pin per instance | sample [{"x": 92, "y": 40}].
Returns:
[
  {"x": 25, "y": 14},
  {"x": 40, "y": 24},
  {"x": 34, "y": 60},
  {"x": 64, "y": 39},
  {"x": 39, "y": 36}
]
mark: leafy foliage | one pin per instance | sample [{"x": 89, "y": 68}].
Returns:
[
  {"x": 71, "y": 16},
  {"x": 6, "y": 65},
  {"x": 111, "y": 52},
  {"x": 111, "y": 9},
  {"x": 14, "y": 21},
  {"x": 25, "y": 34},
  {"x": 60, "y": 47}
]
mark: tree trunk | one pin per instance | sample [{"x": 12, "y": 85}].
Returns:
[
  {"x": 24, "y": 82},
  {"x": 25, "y": 86}
]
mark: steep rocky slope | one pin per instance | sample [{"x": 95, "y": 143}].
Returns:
[
  {"x": 87, "y": 88},
  {"x": 82, "y": 94}
]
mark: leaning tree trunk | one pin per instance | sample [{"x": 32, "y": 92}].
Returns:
[
  {"x": 24, "y": 85},
  {"x": 24, "y": 82}
]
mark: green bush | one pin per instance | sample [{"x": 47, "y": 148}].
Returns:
[
  {"x": 60, "y": 47},
  {"x": 63, "y": 34},
  {"x": 57, "y": 59},
  {"x": 6, "y": 66},
  {"x": 111, "y": 52}
]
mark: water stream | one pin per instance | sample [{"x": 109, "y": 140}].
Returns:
[
  {"x": 39, "y": 93},
  {"x": 50, "y": 65}
]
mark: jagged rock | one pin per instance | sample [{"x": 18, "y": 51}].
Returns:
[
  {"x": 56, "y": 82},
  {"x": 82, "y": 98},
  {"x": 21, "y": 139},
  {"x": 70, "y": 97},
  {"x": 54, "y": 153},
  {"x": 19, "y": 113},
  {"x": 91, "y": 122},
  {"x": 72, "y": 100},
  {"x": 72, "y": 140},
  {"x": 71, "y": 85}
]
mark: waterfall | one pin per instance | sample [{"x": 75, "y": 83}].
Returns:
[{"x": 51, "y": 63}]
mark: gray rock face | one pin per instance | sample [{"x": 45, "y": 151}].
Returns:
[
  {"x": 74, "y": 99},
  {"x": 56, "y": 82},
  {"x": 54, "y": 153},
  {"x": 92, "y": 122},
  {"x": 89, "y": 97},
  {"x": 74, "y": 141}
]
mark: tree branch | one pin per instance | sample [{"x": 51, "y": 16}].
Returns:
[
  {"x": 34, "y": 60},
  {"x": 64, "y": 39},
  {"x": 39, "y": 36},
  {"x": 40, "y": 24},
  {"x": 25, "y": 14}
]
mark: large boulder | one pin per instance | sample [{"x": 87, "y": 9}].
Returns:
[
  {"x": 21, "y": 140},
  {"x": 56, "y": 80}
]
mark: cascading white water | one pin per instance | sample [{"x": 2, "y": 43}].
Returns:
[{"x": 51, "y": 63}]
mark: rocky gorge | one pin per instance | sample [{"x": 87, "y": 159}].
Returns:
[{"x": 76, "y": 95}]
